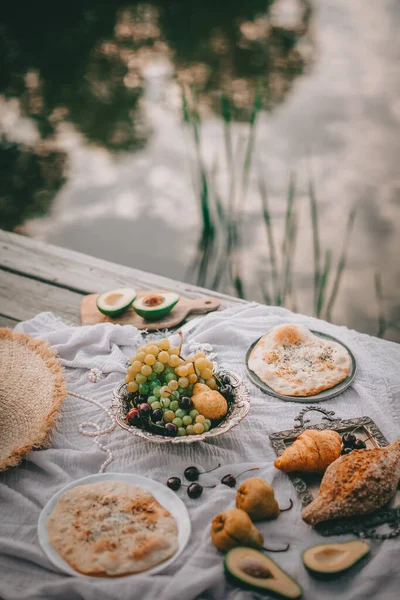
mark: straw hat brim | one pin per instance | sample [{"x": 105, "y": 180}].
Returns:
[{"x": 32, "y": 389}]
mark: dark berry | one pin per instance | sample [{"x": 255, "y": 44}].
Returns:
[
  {"x": 157, "y": 415},
  {"x": 145, "y": 409},
  {"x": 186, "y": 403},
  {"x": 348, "y": 440},
  {"x": 229, "y": 480},
  {"x": 347, "y": 450},
  {"x": 195, "y": 490},
  {"x": 171, "y": 429},
  {"x": 192, "y": 473},
  {"x": 359, "y": 445},
  {"x": 133, "y": 417},
  {"x": 174, "y": 483},
  {"x": 142, "y": 398}
]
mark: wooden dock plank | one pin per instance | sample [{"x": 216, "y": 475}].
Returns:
[
  {"x": 82, "y": 273},
  {"x": 7, "y": 322},
  {"x": 22, "y": 298}
]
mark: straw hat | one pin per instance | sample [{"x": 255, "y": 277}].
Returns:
[{"x": 31, "y": 391}]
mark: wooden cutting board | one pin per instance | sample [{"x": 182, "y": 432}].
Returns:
[{"x": 90, "y": 314}]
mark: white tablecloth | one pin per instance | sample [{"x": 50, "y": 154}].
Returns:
[{"x": 25, "y": 572}]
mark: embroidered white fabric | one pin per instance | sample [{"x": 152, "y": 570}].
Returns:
[{"x": 25, "y": 572}]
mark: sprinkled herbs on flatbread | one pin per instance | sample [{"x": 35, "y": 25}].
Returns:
[{"x": 294, "y": 362}]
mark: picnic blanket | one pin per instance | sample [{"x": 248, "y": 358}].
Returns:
[{"x": 26, "y": 573}]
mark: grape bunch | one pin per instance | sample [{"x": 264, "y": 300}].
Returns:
[{"x": 160, "y": 384}]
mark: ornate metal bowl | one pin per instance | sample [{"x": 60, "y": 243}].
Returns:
[{"x": 238, "y": 409}]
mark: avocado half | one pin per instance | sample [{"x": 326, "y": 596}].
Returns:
[
  {"x": 250, "y": 569},
  {"x": 329, "y": 560},
  {"x": 114, "y": 302},
  {"x": 153, "y": 307}
]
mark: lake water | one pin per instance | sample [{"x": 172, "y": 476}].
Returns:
[{"x": 173, "y": 136}]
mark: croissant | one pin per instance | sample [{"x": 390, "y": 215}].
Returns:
[
  {"x": 356, "y": 484},
  {"x": 311, "y": 452}
]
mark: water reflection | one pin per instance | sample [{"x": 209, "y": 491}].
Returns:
[{"x": 91, "y": 114}]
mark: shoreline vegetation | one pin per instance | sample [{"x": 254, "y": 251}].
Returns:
[{"x": 218, "y": 255}]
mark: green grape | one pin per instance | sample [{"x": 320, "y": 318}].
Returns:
[
  {"x": 189, "y": 390},
  {"x": 189, "y": 430},
  {"x": 193, "y": 413},
  {"x": 158, "y": 367},
  {"x": 183, "y": 382},
  {"x": 165, "y": 391},
  {"x": 187, "y": 419},
  {"x": 182, "y": 391},
  {"x": 140, "y": 378},
  {"x": 152, "y": 377},
  {"x": 201, "y": 380},
  {"x": 143, "y": 388},
  {"x": 170, "y": 377},
  {"x": 208, "y": 423},
  {"x": 206, "y": 426},
  {"x": 169, "y": 416},
  {"x": 152, "y": 399},
  {"x": 165, "y": 402},
  {"x": 174, "y": 405},
  {"x": 181, "y": 431},
  {"x": 198, "y": 428},
  {"x": 154, "y": 405},
  {"x": 174, "y": 395},
  {"x": 173, "y": 384},
  {"x": 155, "y": 383},
  {"x": 169, "y": 371},
  {"x": 157, "y": 391},
  {"x": 177, "y": 422},
  {"x": 180, "y": 412}
]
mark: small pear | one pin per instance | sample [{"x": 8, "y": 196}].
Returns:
[
  {"x": 234, "y": 528},
  {"x": 256, "y": 497}
]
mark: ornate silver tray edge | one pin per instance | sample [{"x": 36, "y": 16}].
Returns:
[
  {"x": 364, "y": 525},
  {"x": 237, "y": 411}
]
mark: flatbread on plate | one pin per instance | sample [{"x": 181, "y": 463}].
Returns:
[
  {"x": 111, "y": 528},
  {"x": 294, "y": 362}
]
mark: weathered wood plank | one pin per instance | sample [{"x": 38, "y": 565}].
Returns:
[
  {"x": 82, "y": 273},
  {"x": 22, "y": 298},
  {"x": 7, "y": 322}
]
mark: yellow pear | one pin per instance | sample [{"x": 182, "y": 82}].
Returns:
[
  {"x": 210, "y": 403},
  {"x": 256, "y": 497},
  {"x": 234, "y": 528}
]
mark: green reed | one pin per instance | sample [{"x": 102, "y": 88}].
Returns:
[{"x": 218, "y": 254}]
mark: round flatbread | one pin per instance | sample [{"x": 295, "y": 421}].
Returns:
[
  {"x": 294, "y": 362},
  {"x": 111, "y": 528}
]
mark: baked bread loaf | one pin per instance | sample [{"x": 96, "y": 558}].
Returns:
[
  {"x": 312, "y": 451},
  {"x": 111, "y": 528},
  {"x": 356, "y": 484},
  {"x": 293, "y": 361}
]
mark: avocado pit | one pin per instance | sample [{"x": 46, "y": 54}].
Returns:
[{"x": 254, "y": 567}]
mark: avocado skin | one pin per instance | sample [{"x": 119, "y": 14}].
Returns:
[
  {"x": 155, "y": 314},
  {"x": 237, "y": 581},
  {"x": 327, "y": 576},
  {"x": 113, "y": 313}
]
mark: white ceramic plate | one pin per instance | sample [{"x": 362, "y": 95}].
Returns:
[{"x": 166, "y": 497}]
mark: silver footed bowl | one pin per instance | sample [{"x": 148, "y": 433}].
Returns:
[{"x": 238, "y": 409}]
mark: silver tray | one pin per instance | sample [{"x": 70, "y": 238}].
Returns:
[
  {"x": 238, "y": 409},
  {"x": 321, "y": 396},
  {"x": 307, "y": 484}
]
